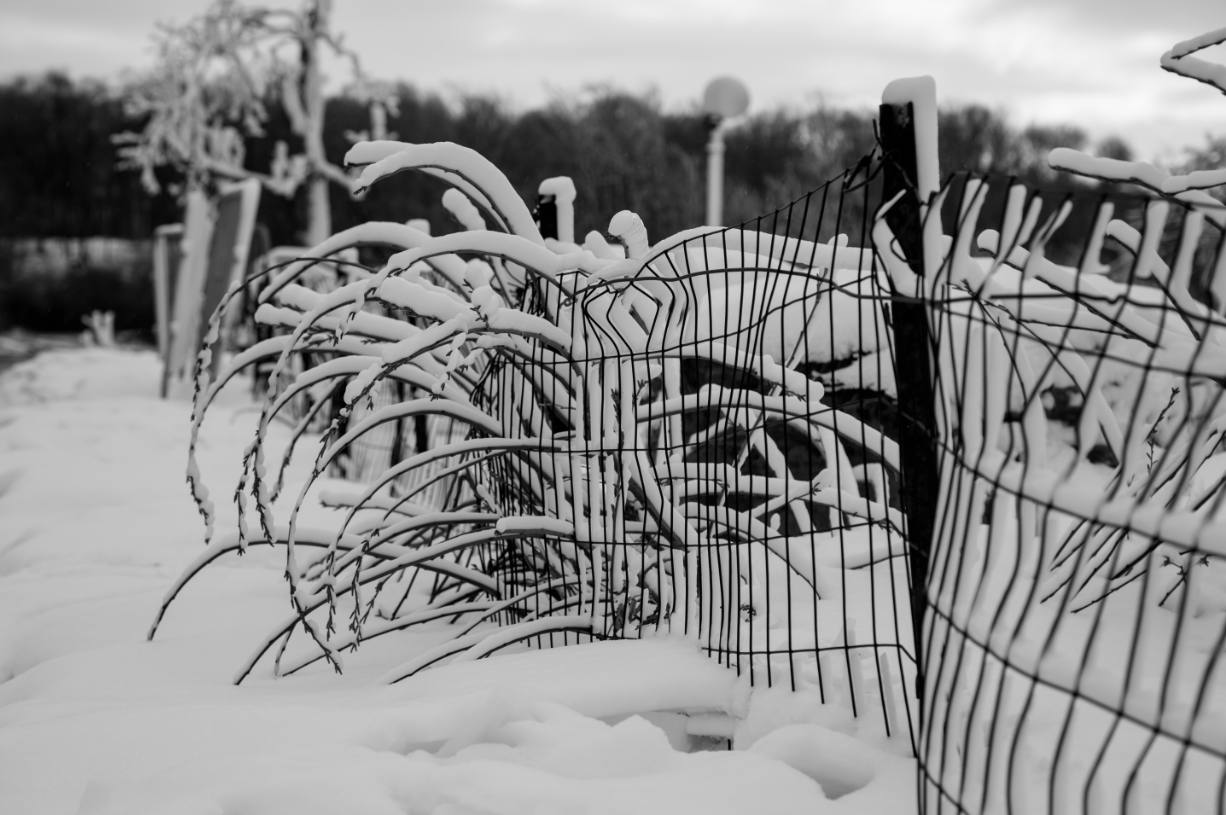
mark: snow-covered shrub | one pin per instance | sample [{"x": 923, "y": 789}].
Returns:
[{"x": 628, "y": 442}]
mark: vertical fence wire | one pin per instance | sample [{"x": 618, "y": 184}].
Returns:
[{"x": 1077, "y": 591}]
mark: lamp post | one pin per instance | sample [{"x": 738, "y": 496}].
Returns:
[{"x": 725, "y": 98}]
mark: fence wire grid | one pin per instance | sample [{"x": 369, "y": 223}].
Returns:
[
  {"x": 1075, "y": 602},
  {"x": 732, "y": 473},
  {"x": 705, "y": 439},
  {"x": 707, "y": 448}
]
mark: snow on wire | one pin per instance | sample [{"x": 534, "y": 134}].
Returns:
[
  {"x": 698, "y": 438},
  {"x": 1077, "y": 588},
  {"x": 690, "y": 438},
  {"x": 701, "y": 437}
]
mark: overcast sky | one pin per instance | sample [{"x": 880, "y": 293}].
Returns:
[{"x": 1092, "y": 63}]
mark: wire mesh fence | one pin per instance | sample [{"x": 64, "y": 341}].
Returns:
[
  {"x": 706, "y": 437},
  {"x": 721, "y": 442},
  {"x": 695, "y": 439},
  {"x": 1076, "y": 597}
]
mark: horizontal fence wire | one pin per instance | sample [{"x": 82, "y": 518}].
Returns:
[{"x": 1077, "y": 592}]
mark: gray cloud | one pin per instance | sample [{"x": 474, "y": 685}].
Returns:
[
  {"x": 1092, "y": 60},
  {"x": 1182, "y": 18}
]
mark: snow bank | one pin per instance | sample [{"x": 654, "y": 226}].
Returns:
[{"x": 95, "y": 524}]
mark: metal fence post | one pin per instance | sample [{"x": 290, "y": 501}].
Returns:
[{"x": 913, "y": 362}]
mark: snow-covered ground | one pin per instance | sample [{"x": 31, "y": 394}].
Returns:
[{"x": 96, "y": 523}]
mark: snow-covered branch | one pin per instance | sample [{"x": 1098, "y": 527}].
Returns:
[
  {"x": 1186, "y": 188},
  {"x": 1179, "y": 60}
]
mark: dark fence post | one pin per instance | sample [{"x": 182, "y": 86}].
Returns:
[
  {"x": 912, "y": 361},
  {"x": 555, "y": 209},
  {"x": 546, "y": 215}
]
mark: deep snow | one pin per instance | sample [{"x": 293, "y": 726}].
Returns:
[{"x": 96, "y": 523}]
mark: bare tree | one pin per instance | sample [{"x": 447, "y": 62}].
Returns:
[{"x": 208, "y": 93}]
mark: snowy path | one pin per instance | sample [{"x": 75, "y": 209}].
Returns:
[{"x": 95, "y": 523}]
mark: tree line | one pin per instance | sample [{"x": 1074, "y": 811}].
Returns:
[{"x": 59, "y": 175}]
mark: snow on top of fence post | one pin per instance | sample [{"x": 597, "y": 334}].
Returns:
[
  {"x": 629, "y": 228},
  {"x": 921, "y": 93}
]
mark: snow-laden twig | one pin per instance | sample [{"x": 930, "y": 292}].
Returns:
[{"x": 1186, "y": 188}]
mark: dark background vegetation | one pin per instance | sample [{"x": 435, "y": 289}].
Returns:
[{"x": 59, "y": 177}]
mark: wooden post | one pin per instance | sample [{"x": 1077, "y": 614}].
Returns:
[
  {"x": 189, "y": 285},
  {"x": 166, "y": 255},
  {"x": 555, "y": 209},
  {"x": 912, "y": 360},
  {"x": 546, "y": 214}
]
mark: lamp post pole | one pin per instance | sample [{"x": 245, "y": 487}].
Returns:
[
  {"x": 724, "y": 99},
  {"x": 715, "y": 173}
]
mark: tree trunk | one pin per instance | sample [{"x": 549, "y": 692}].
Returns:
[{"x": 319, "y": 211}]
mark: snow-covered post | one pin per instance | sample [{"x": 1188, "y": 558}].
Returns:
[
  {"x": 908, "y": 139},
  {"x": 166, "y": 252},
  {"x": 555, "y": 209}
]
